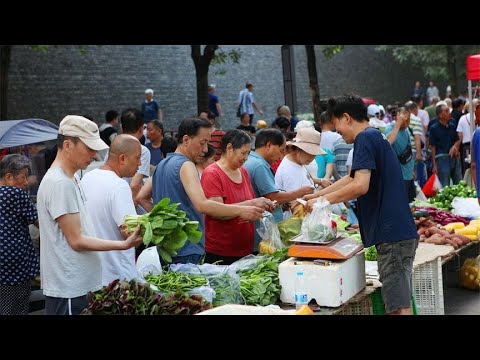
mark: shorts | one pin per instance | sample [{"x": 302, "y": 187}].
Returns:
[
  {"x": 64, "y": 306},
  {"x": 395, "y": 266}
]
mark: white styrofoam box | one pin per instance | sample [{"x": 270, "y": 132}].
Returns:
[{"x": 330, "y": 285}]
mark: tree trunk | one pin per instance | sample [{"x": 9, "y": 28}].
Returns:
[
  {"x": 5, "y": 52},
  {"x": 313, "y": 82},
  {"x": 452, "y": 69},
  {"x": 202, "y": 64}
]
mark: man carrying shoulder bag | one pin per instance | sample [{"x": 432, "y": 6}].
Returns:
[{"x": 398, "y": 134}]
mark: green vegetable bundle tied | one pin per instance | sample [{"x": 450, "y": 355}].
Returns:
[{"x": 166, "y": 227}]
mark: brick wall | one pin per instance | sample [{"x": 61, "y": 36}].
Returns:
[{"x": 63, "y": 81}]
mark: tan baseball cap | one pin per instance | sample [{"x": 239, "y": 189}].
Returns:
[
  {"x": 308, "y": 140},
  {"x": 84, "y": 129}
]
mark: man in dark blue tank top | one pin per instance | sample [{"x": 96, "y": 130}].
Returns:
[
  {"x": 384, "y": 215},
  {"x": 176, "y": 177}
]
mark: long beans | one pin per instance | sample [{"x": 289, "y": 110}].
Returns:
[{"x": 171, "y": 281}]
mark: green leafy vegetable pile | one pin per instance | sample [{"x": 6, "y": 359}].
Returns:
[
  {"x": 260, "y": 285},
  {"x": 371, "y": 253},
  {"x": 133, "y": 298},
  {"x": 166, "y": 227}
]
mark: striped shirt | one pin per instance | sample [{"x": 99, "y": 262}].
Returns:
[
  {"x": 417, "y": 129},
  {"x": 340, "y": 150}
]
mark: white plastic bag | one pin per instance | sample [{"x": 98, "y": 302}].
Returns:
[
  {"x": 223, "y": 283},
  {"x": 148, "y": 262},
  {"x": 419, "y": 193},
  {"x": 317, "y": 225},
  {"x": 466, "y": 207}
]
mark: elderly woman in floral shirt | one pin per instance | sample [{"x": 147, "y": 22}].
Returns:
[{"x": 18, "y": 261}]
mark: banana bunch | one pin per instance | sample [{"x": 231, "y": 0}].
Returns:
[
  {"x": 299, "y": 211},
  {"x": 265, "y": 247}
]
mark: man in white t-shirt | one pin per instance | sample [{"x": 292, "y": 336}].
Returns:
[
  {"x": 70, "y": 263},
  {"x": 464, "y": 131},
  {"x": 110, "y": 200},
  {"x": 329, "y": 136}
]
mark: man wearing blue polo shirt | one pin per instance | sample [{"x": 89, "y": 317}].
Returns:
[
  {"x": 269, "y": 148},
  {"x": 445, "y": 146}
]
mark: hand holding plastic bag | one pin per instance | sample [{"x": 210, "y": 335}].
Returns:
[
  {"x": 318, "y": 225},
  {"x": 268, "y": 231}
]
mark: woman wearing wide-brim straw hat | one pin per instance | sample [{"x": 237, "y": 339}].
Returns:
[{"x": 292, "y": 174}]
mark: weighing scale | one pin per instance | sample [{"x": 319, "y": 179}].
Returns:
[{"x": 340, "y": 248}]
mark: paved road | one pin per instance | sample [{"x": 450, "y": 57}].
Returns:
[{"x": 459, "y": 301}]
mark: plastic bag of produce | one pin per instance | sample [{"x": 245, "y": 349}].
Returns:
[
  {"x": 247, "y": 262},
  {"x": 289, "y": 228},
  {"x": 318, "y": 226},
  {"x": 268, "y": 231},
  {"x": 469, "y": 274},
  {"x": 223, "y": 283}
]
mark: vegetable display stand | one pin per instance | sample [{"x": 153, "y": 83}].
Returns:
[{"x": 428, "y": 288}]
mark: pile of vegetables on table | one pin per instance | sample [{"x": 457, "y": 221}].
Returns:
[
  {"x": 133, "y": 298},
  {"x": 259, "y": 281},
  {"x": 442, "y": 217},
  {"x": 166, "y": 227},
  {"x": 252, "y": 280},
  {"x": 443, "y": 198}
]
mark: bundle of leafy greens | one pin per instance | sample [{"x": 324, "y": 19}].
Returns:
[
  {"x": 133, "y": 298},
  {"x": 260, "y": 285},
  {"x": 166, "y": 227}
]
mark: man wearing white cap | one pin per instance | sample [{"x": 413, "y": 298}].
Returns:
[
  {"x": 70, "y": 264},
  {"x": 373, "y": 113}
]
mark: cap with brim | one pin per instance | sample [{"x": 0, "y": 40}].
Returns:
[
  {"x": 84, "y": 129},
  {"x": 308, "y": 140}
]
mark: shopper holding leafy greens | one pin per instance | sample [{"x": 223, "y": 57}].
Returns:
[
  {"x": 71, "y": 265},
  {"x": 176, "y": 177}
]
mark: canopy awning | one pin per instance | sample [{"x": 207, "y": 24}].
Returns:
[{"x": 27, "y": 131}]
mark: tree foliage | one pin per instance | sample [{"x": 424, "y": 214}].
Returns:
[
  {"x": 329, "y": 51},
  {"x": 211, "y": 55},
  {"x": 46, "y": 48},
  {"x": 222, "y": 57},
  {"x": 438, "y": 62}
]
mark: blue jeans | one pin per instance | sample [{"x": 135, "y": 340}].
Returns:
[
  {"x": 448, "y": 168},
  {"x": 421, "y": 173}
]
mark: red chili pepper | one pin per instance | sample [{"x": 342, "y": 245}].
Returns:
[{"x": 334, "y": 224}]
